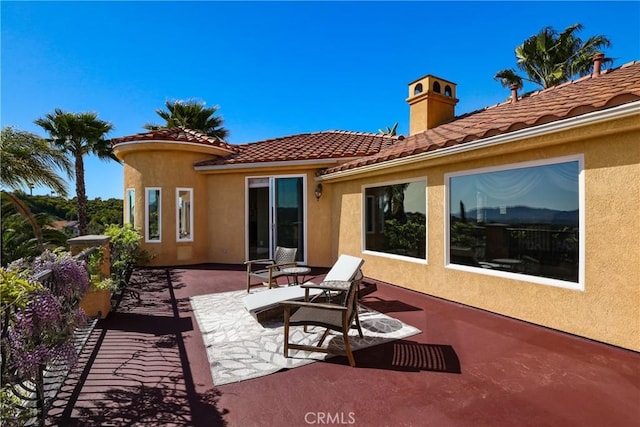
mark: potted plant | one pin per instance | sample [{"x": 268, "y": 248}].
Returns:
[{"x": 97, "y": 301}]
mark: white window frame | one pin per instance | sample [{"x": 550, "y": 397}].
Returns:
[
  {"x": 130, "y": 211},
  {"x": 146, "y": 214},
  {"x": 305, "y": 206},
  {"x": 363, "y": 222},
  {"x": 178, "y": 214},
  {"x": 580, "y": 285}
]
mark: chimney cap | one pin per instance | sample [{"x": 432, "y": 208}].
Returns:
[
  {"x": 598, "y": 58},
  {"x": 432, "y": 77},
  {"x": 514, "y": 92}
]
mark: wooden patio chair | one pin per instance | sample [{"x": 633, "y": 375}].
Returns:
[
  {"x": 332, "y": 312},
  {"x": 268, "y": 270},
  {"x": 263, "y": 305}
]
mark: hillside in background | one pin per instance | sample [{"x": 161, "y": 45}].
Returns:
[
  {"x": 64, "y": 211},
  {"x": 523, "y": 215}
]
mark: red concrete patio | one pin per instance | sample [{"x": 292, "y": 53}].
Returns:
[{"x": 146, "y": 365}]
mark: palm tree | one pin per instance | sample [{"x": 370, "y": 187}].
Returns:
[
  {"x": 550, "y": 58},
  {"x": 29, "y": 160},
  {"x": 389, "y": 131},
  {"x": 78, "y": 134},
  {"x": 394, "y": 194},
  {"x": 17, "y": 241},
  {"x": 191, "y": 115}
]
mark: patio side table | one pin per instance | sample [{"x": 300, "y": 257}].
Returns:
[{"x": 296, "y": 272}]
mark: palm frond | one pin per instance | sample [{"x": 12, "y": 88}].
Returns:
[
  {"x": 25, "y": 212},
  {"x": 549, "y": 58},
  {"x": 192, "y": 115}
]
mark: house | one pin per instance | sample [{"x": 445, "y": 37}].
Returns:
[
  {"x": 529, "y": 208},
  {"x": 71, "y": 226}
]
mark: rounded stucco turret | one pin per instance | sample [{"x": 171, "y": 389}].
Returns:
[{"x": 162, "y": 191}]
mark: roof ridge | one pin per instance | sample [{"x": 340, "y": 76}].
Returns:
[
  {"x": 579, "y": 79},
  {"x": 354, "y": 132},
  {"x": 318, "y": 133},
  {"x": 371, "y": 134},
  {"x": 199, "y": 134},
  {"x": 175, "y": 134},
  {"x": 551, "y": 88}
]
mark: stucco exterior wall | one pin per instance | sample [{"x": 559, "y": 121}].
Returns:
[
  {"x": 226, "y": 213},
  {"x": 169, "y": 170},
  {"x": 606, "y": 310},
  {"x": 219, "y": 205}
]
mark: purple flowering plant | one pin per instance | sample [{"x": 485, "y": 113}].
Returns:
[
  {"x": 41, "y": 333},
  {"x": 42, "y": 319},
  {"x": 70, "y": 277}
]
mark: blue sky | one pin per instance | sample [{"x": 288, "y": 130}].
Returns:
[{"x": 274, "y": 69}]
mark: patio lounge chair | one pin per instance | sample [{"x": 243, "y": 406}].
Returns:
[
  {"x": 261, "y": 304},
  {"x": 270, "y": 269},
  {"x": 337, "y": 313}
]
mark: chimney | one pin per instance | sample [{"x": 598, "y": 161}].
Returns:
[
  {"x": 597, "y": 63},
  {"x": 432, "y": 102},
  {"x": 514, "y": 93}
]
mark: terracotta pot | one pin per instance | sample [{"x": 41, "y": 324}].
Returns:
[{"x": 96, "y": 303}]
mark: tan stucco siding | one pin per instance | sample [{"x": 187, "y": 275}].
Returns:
[
  {"x": 607, "y": 310},
  {"x": 612, "y": 287},
  {"x": 347, "y": 218},
  {"x": 226, "y": 212},
  {"x": 169, "y": 170},
  {"x": 320, "y": 248},
  {"x": 226, "y": 216}
]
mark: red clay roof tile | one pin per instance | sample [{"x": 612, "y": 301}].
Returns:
[
  {"x": 612, "y": 88},
  {"x": 307, "y": 146},
  {"x": 178, "y": 134}
]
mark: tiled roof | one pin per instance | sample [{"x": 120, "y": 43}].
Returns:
[
  {"x": 307, "y": 146},
  {"x": 612, "y": 88},
  {"x": 178, "y": 134}
]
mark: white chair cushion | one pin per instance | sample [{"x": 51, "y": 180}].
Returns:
[
  {"x": 345, "y": 269},
  {"x": 270, "y": 298}
]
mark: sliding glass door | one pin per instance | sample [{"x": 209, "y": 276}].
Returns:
[{"x": 276, "y": 215}]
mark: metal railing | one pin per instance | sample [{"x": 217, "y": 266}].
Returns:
[{"x": 37, "y": 394}]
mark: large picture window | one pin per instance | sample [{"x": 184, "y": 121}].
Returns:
[
  {"x": 153, "y": 218},
  {"x": 130, "y": 216},
  {"x": 522, "y": 219},
  {"x": 395, "y": 219},
  {"x": 184, "y": 214}
]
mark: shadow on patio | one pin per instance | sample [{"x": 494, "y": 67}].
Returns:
[
  {"x": 138, "y": 372},
  {"x": 467, "y": 367}
]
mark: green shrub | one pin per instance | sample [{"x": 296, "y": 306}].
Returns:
[{"x": 125, "y": 250}]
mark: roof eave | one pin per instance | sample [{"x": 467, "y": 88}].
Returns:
[
  {"x": 195, "y": 146},
  {"x": 277, "y": 164},
  {"x": 619, "y": 112}
]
